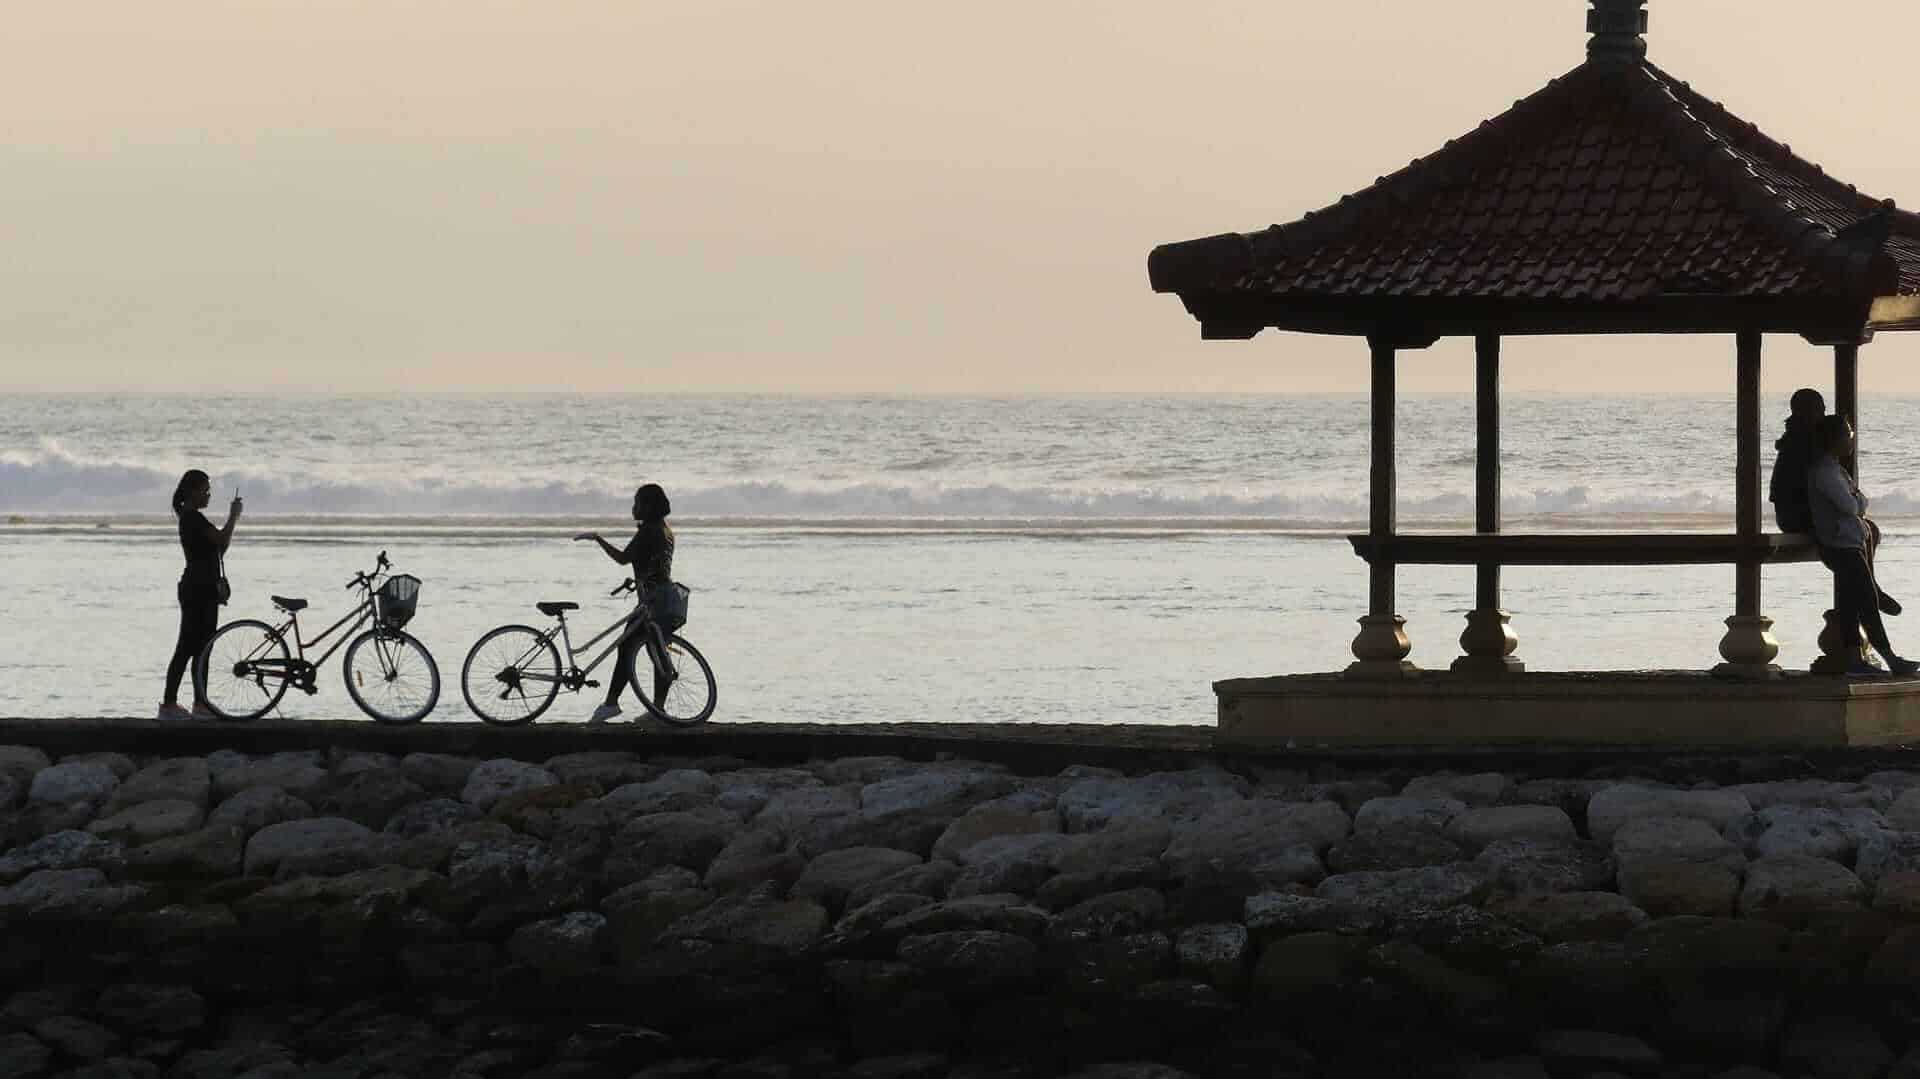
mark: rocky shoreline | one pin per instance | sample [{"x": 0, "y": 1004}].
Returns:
[{"x": 351, "y": 913}]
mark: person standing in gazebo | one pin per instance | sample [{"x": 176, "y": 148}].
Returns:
[{"x": 1839, "y": 525}]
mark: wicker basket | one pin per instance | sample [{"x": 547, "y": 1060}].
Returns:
[{"x": 395, "y": 601}]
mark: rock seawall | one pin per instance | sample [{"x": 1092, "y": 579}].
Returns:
[{"x": 351, "y": 913}]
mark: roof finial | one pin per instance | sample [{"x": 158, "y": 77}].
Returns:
[{"x": 1616, "y": 26}]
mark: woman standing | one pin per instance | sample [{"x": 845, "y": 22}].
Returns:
[
  {"x": 198, "y": 591},
  {"x": 1839, "y": 525},
  {"x": 650, "y": 553}
]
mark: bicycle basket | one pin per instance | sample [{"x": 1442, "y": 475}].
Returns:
[
  {"x": 395, "y": 601},
  {"x": 669, "y": 604}
]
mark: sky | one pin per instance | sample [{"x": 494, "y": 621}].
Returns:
[{"x": 837, "y": 196}]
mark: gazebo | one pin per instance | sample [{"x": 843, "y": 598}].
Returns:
[{"x": 1616, "y": 200}]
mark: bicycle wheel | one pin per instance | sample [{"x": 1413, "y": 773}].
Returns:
[
  {"x": 391, "y": 676},
  {"x": 245, "y": 669},
  {"x": 678, "y": 684},
  {"x": 511, "y": 675}
]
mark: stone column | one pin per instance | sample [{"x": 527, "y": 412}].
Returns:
[
  {"x": 1381, "y": 647},
  {"x": 1843, "y": 645},
  {"x": 1488, "y": 641},
  {"x": 1748, "y": 647}
]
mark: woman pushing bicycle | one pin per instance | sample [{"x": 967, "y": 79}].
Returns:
[{"x": 650, "y": 553}]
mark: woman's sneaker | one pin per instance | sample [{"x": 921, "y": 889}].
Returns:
[
  {"x": 201, "y": 711},
  {"x": 604, "y": 713},
  {"x": 1900, "y": 665},
  {"x": 170, "y": 710},
  {"x": 1864, "y": 668}
]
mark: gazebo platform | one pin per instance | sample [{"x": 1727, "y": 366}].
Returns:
[{"x": 1677, "y": 708}]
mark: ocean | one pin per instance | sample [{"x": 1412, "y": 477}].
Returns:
[{"x": 874, "y": 558}]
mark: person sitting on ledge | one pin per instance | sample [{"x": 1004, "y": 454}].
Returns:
[
  {"x": 1794, "y": 454},
  {"x": 1840, "y": 528}
]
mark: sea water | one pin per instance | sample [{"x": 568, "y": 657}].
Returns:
[{"x": 1018, "y": 559}]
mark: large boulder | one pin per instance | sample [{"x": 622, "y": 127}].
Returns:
[
  {"x": 1673, "y": 839},
  {"x": 604, "y": 768},
  {"x": 1407, "y": 814},
  {"x": 1392, "y": 849},
  {"x": 972, "y": 962},
  {"x": 639, "y": 912},
  {"x": 569, "y": 946},
  {"x": 1608, "y": 809},
  {"x": 371, "y": 796},
  {"x": 756, "y": 918},
  {"x": 1008, "y": 863},
  {"x": 1478, "y": 791},
  {"x": 493, "y": 780},
  {"x": 257, "y": 807},
  {"x": 147, "y": 821},
  {"x": 77, "y": 894},
  {"x": 1089, "y": 805},
  {"x": 986, "y": 823},
  {"x": 831, "y": 877},
  {"x": 88, "y": 783},
  {"x": 1257, "y": 842},
  {"x": 1409, "y": 889},
  {"x": 1886, "y": 852},
  {"x": 430, "y": 816},
  {"x": 1522, "y": 866},
  {"x": 752, "y": 858},
  {"x": 669, "y": 792},
  {"x": 212, "y": 853},
  {"x": 1129, "y": 839},
  {"x": 299, "y": 774},
  {"x": 1792, "y": 886},
  {"x": 1562, "y": 916},
  {"x": 1663, "y": 888},
  {"x": 323, "y": 846},
  {"x": 1815, "y": 832},
  {"x": 1812, "y": 794},
  {"x": 689, "y": 838},
  {"x": 1476, "y": 828},
  {"x": 23, "y": 761},
  {"x": 178, "y": 779},
  {"x": 439, "y": 773},
  {"x": 62, "y": 850}
]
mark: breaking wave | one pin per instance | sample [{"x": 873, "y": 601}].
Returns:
[{"x": 53, "y": 480}]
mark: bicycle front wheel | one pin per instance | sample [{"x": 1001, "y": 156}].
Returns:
[
  {"x": 675, "y": 684},
  {"x": 244, "y": 669},
  {"x": 391, "y": 676},
  {"x": 511, "y": 675}
]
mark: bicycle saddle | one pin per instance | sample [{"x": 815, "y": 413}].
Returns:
[
  {"x": 289, "y": 604},
  {"x": 554, "y": 607}
]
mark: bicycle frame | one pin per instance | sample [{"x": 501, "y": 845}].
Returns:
[
  {"x": 358, "y": 616},
  {"x": 576, "y": 676}
]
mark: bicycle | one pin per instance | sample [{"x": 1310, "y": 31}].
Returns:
[
  {"x": 246, "y": 668},
  {"x": 513, "y": 673}
]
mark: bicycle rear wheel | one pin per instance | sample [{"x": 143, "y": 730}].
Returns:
[
  {"x": 677, "y": 684},
  {"x": 391, "y": 676},
  {"x": 245, "y": 669},
  {"x": 511, "y": 675}
]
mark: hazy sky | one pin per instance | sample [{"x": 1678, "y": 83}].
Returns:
[{"x": 833, "y": 195}]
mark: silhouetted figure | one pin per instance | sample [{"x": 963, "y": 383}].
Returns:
[
  {"x": 199, "y": 587},
  {"x": 1839, "y": 524},
  {"x": 1794, "y": 453},
  {"x": 650, "y": 553}
]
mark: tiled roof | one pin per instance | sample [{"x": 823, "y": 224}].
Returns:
[{"x": 1614, "y": 184}]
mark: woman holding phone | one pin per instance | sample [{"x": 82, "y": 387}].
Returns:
[{"x": 201, "y": 587}]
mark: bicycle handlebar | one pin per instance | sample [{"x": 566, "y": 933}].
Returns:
[
  {"x": 380, "y": 564},
  {"x": 625, "y": 586}
]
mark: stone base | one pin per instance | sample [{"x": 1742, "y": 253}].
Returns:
[{"x": 1679, "y": 708}]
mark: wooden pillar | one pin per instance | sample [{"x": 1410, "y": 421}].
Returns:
[
  {"x": 1748, "y": 646},
  {"x": 1842, "y": 646},
  {"x": 1381, "y": 647},
  {"x": 1488, "y": 641}
]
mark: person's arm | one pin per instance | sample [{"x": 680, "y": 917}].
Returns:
[
  {"x": 221, "y": 537},
  {"x": 613, "y": 552},
  {"x": 1829, "y": 484}
]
